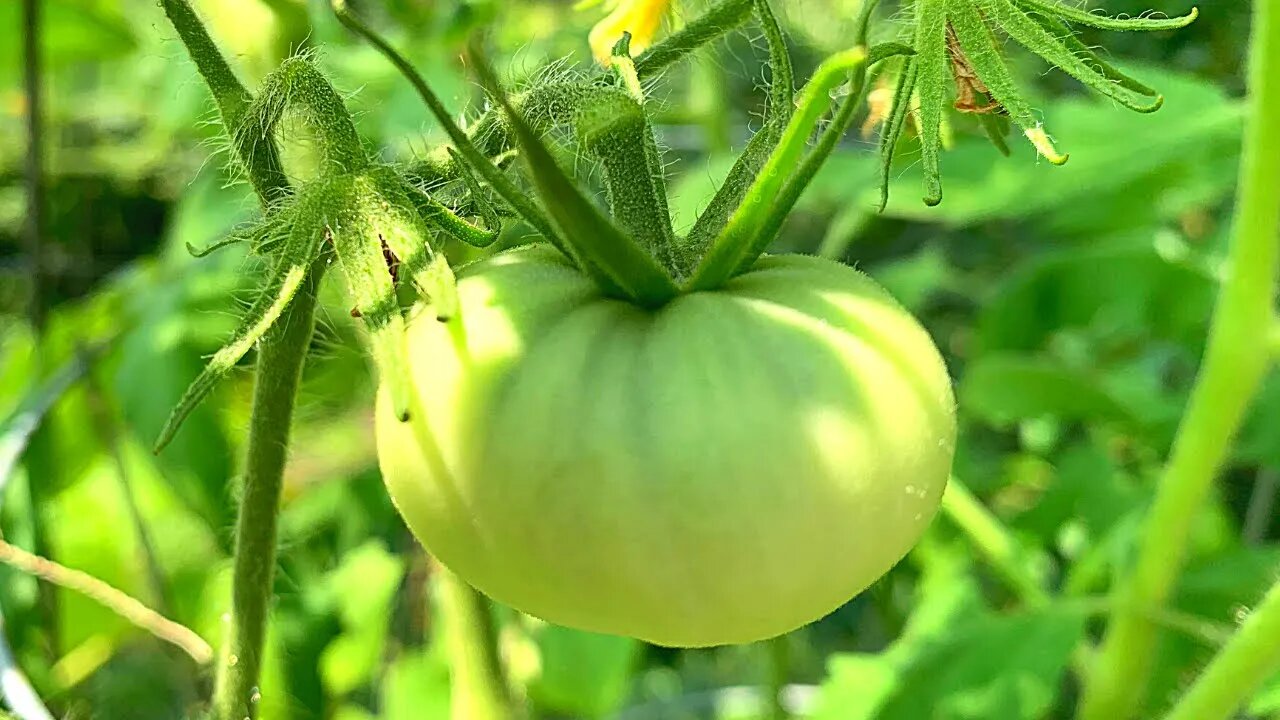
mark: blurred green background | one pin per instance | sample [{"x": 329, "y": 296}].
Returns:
[{"x": 1071, "y": 304}]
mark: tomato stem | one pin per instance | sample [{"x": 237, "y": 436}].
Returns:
[
  {"x": 1235, "y": 673},
  {"x": 263, "y": 167},
  {"x": 616, "y": 130},
  {"x": 714, "y": 23},
  {"x": 1236, "y": 361},
  {"x": 617, "y": 259},
  {"x": 277, "y": 373}
]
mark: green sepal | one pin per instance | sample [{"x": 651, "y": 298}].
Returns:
[
  {"x": 980, "y": 48},
  {"x": 442, "y": 288},
  {"x": 996, "y": 126},
  {"x": 287, "y": 275},
  {"x": 1029, "y": 33},
  {"x": 711, "y": 222},
  {"x": 396, "y": 220},
  {"x": 437, "y": 215},
  {"x": 782, "y": 86},
  {"x": 886, "y": 50},
  {"x": 738, "y": 244},
  {"x": 609, "y": 254},
  {"x": 933, "y": 75},
  {"x": 367, "y": 224},
  {"x": 782, "y": 206},
  {"x": 1077, "y": 46},
  {"x": 713, "y": 219},
  {"x": 786, "y": 201},
  {"x": 1081, "y": 16},
  {"x": 895, "y": 124}
]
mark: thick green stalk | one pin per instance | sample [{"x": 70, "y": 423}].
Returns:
[
  {"x": 1236, "y": 360},
  {"x": 1251, "y": 657},
  {"x": 277, "y": 373},
  {"x": 279, "y": 369},
  {"x": 478, "y": 691}
]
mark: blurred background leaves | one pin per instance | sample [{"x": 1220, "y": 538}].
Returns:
[{"x": 1071, "y": 304}]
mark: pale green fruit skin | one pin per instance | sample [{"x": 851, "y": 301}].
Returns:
[{"x": 723, "y": 470}]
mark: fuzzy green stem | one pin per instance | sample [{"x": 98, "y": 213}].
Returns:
[
  {"x": 299, "y": 86},
  {"x": 264, "y": 169},
  {"x": 993, "y": 540},
  {"x": 478, "y": 689},
  {"x": 277, "y": 374},
  {"x": 1237, "y": 358},
  {"x": 1236, "y": 672},
  {"x": 713, "y": 24},
  {"x": 279, "y": 370}
]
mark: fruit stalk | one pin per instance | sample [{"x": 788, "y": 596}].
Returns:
[{"x": 1238, "y": 355}]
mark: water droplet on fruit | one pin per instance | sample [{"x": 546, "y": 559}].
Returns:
[
  {"x": 1242, "y": 614},
  {"x": 233, "y": 660},
  {"x": 911, "y": 489},
  {"x": 254, "y": 696},
  {"x": 918, "y": 516}
]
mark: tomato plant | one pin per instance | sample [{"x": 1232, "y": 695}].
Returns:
[{"x": 638, "y": 439}]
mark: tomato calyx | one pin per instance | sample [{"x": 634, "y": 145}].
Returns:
[
  {"x": 632, "y": 252},
  {"x": 956, "y": 45}
]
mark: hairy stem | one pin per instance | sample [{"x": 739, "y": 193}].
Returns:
[
  {"x": 1235, "y": 673},
  {"x": 278, "y": 372},
  {"x": 717, "y": 21},
  {"x": 264, "y": 169},
  {"x": 1236, "y": 360}
]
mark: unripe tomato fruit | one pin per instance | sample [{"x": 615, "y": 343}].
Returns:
[{"x": 721, "y": 470}]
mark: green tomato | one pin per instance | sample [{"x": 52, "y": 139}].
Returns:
[{"x": 721, "y": 470}]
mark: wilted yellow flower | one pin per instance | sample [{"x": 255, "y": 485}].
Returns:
[{"x": 641, "y": 18}]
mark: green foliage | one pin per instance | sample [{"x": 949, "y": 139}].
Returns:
[{"x": 1071, "y": 301}]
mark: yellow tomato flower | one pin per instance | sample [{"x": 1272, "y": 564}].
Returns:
[{"x": 641, "y": 18}]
